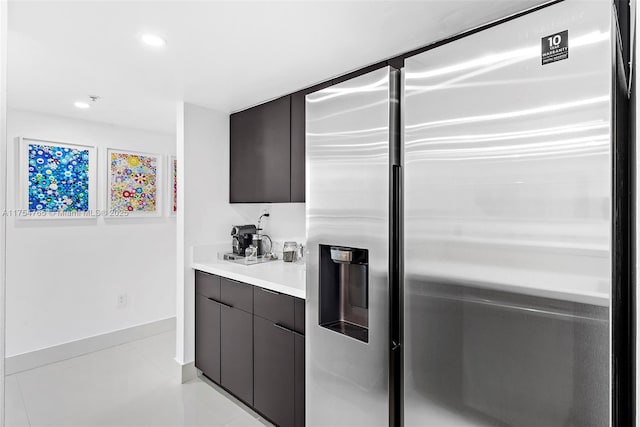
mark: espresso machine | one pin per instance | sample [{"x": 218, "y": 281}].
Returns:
[{"x": 242, "y": 238}]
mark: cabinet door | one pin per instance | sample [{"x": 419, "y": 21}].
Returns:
[
  {"x": 274, "y": 388},
  {"x": 299, "y": 381},
  {"x": 299, "y": 361},
  {"x": 236, "y": 363},
  {"x": 297, "y": 146},
  {"x": 208, "y": 337},
  {"x": 261, "y": 153}
]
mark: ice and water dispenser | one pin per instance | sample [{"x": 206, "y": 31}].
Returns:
[{"x": 344, "y": 291}]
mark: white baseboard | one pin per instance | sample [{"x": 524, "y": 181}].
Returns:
[
  {"x": 45, "y": 356},
  {"x": 188, "y": 372}
]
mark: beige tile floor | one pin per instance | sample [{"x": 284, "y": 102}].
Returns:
[{"x": 129, "y": 385}]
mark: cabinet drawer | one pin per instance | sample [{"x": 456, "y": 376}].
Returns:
[
  {"x": 273, "y": 306},
  {"x": 236, "y": 294},
  {"x": 207, "y": 285}
]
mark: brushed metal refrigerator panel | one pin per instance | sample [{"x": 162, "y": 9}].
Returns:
[
  {"x": 347, "y": 175},
  {"x": 508, "y": 224}
]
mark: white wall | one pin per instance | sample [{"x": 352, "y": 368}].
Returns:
[
  {"x": 64, "y": 276},
  {"x": 3, "y": 170},
  {"x": 205, "y": 215}
]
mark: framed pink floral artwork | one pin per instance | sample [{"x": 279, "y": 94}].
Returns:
[
  {"x": 133, "y": 179},
  {"x": 173, "y": 186}
]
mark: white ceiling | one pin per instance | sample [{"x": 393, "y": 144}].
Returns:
[{"x": 225, "y": 55}]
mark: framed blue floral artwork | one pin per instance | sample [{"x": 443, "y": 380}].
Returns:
[{"x": 57, "y": 179}]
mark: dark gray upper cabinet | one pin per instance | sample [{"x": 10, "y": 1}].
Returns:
[
  {"x": 268, "y": 146},
  {"x": 297, "y": 146},
  {"x": 260, "y": 160}
]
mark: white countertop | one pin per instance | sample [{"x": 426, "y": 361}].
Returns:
[
  {"x": 289, "y": 278},
  {"x": 284, "y": 277}
]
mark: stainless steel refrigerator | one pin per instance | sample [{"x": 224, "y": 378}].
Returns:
[{"x": 465, "y": 230}]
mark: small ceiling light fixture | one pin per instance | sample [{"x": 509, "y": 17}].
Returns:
[{"x": 153, "y": 40}]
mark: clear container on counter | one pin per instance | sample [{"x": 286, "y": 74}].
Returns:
[
  {"x": 251, "y": 254},
  {"x": 290, "y": 251}
]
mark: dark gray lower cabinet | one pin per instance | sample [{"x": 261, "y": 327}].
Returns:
[
  {"x": 299, "y": 360},
  {"x": 274, "y": 376},
  {"x": 299, "y": 380},
  {"x": 208, "y": 337},
  {"x": 236, "y": 353},
  {"x": 250, "y": 341}
]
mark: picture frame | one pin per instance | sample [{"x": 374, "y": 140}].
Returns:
[
  {"x": 172, "y": 188},
  {"x": 57, "y": 180},
  {"x": 133, "y": 184}
]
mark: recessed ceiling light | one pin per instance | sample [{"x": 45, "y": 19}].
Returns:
[
  {"x": 81, "y": 105},
  {"x": 153, "y": 40}
]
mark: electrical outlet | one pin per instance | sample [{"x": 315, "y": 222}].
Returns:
[
  {"x": 122, "y": 300},
  {"x": 265, "y": 210}
]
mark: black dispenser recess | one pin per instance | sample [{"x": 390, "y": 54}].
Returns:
[{"x": 344, "y": 291}]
